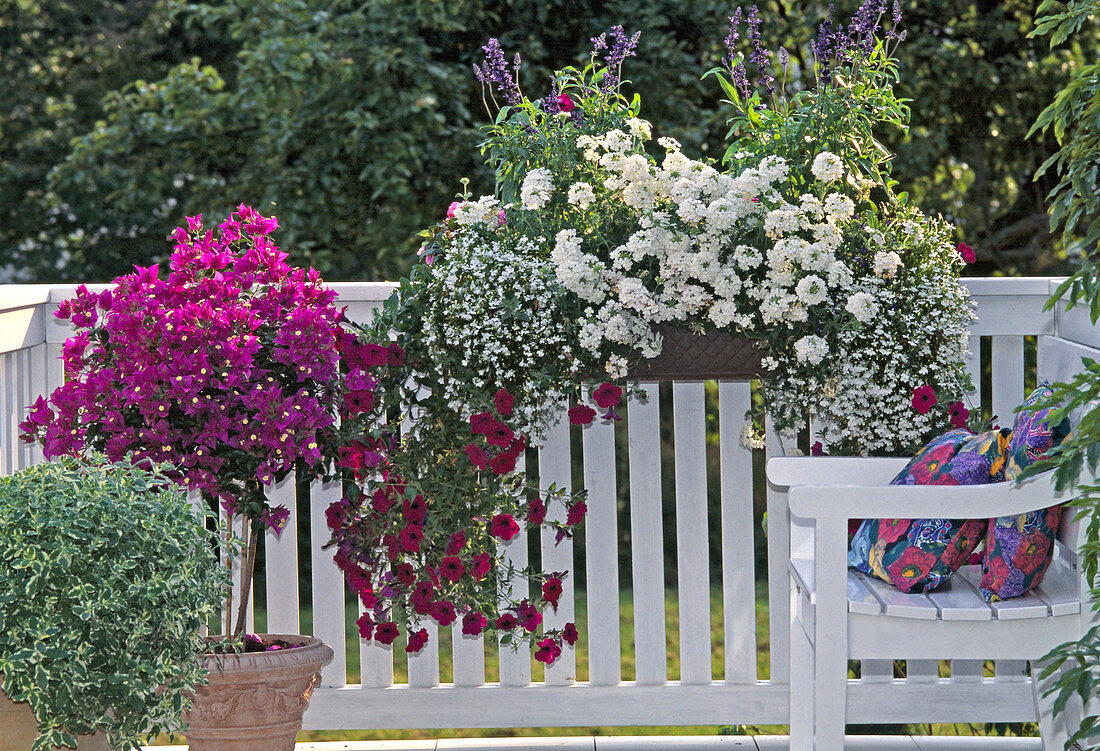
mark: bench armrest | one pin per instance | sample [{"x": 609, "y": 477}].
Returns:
[
  {"x": 926, "y": 501},
  {"x": 786, "y": 471}
]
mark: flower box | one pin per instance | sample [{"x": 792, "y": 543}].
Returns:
[{"x": 713, "y": 354}]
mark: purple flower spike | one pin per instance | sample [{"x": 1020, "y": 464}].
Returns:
[
  {"x": 494, "y": 71},
  {"x": 760, "y": 57},
  {"x": 622, "y": 47}
]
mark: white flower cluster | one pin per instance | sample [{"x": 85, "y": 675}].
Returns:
[
  {"x": 493, "y": 319},
  {"x": 642, "y": 243},
  {"x": 537, "y": 188},
  {"x": 827, "y": 167},
  {"x": 912, "y": 334}
]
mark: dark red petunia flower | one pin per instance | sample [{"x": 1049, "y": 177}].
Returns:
[
  {"x": 607, "y": 395},
  {"x": 417, "y": 641},
  {"x": 477, "y": 457},
  {"x": 473, "y": 624},
  {"x": 569, "y": 634},
  {"x": 451, "y": 568},
  {"x": 582, "y": 414},
  {"x": 924, "y": 398},
  {"x": 551, "y": 591},
  {"x": 504, "y": 527},
  {"x": 385, "y": 633},
  {"x": 503, "y": 401}
]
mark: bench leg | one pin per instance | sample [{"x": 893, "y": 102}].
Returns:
[
  {"x": 830, "y": 634},
  {"x": 1052, "y": 729},
  {"x": 801, "y": 685}
]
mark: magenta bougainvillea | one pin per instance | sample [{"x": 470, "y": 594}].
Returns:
[{"x": 227, "y": 368}]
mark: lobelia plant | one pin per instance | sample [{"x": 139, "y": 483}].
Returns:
[
  {"x": 228, "y": 370},
  {"x": 900, "y": 267}
]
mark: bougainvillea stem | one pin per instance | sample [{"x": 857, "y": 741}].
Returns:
[{"x": 246, "y": 576}]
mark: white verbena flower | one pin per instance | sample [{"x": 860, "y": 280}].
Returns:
[
  {"x": 862, "y": 306},
  {"x": 827, "y": 167},
  {"x": 537, "y": 188},
  {"x": 581, "y": 195},
  {"x": 750, "y": 437},
  {"x": 640, "y": 129},
  {"x": 811, "y": 349},
  {"x": 839, "y": 207},
  {"x": 811, "y": 290},
  {"x": 887, "y": 264}
]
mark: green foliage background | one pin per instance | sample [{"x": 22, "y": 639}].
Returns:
[{"x": 354, "y": 121}]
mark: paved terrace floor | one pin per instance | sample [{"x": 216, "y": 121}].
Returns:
[{"x": 673, "y": 743}]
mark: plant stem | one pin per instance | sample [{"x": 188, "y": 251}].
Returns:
[
  {"x": 229, "y": 565},
  {"x": 246, "y": 578}
]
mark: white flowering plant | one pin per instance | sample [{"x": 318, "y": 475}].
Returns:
[{"x": 555, "y": 285}]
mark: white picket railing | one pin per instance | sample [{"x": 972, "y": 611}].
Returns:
[{"x": 523, "y": 694}]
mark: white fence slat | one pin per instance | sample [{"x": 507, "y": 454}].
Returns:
[
  {"x": 241, "y": 529},
  {"x": 468, "y": 657},
  {"x": 966, "y": 671},
  {"x": 779, "y": 551},
  {"x": 922, "y": 671},
  {"x": 7, "y": 404},
  {"x": 515, "y": 664},
  {"x": 375, "y": 661},
  {"x": 1008, "y": 377},
  {"x": 692, "y": 554},
  {"x": 328, "y": 585},
  {"x": 601, "y": 550},
  {"x": 281, "y": 562},
  {"x": 1010, "y": 670},
  {"x": 974, "y": 368},
  {"x": 424, "y": 665},
  {"x": 738, "y": 531},
  {"x": 23, "y": 400},
  {"x": 647, "y": 537},
  {"x": 39, "y": 387},
  {"x": 55, "y": 369},
  {"x": 555, "y": 469}
]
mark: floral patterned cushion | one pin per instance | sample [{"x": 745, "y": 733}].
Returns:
[
  {"x": 1018, "y": 549},
  {"x": 917, "y": 555}
]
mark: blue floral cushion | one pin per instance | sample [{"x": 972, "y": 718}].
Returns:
[
  {"x": 1018, "y": 549},
  {"x": 917, "y": 555}
]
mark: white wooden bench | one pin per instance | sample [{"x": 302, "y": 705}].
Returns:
[{"x": 838, "y": 614}]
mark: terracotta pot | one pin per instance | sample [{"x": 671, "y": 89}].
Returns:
[
  {"x": 255, "y": 701},
  {"x": 690, "y": 356},
  {"x": 18, "y": 729}
]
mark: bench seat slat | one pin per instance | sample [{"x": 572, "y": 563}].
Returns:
[
  {"x": 1060, "y": 590},
  {"x": 860, "y": 597},
  {"x": 957, "y": 601},
  {"x": 1025, "y": 606},
  {"x": 901, "y": 604}
]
